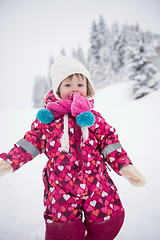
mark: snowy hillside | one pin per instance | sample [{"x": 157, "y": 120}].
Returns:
[{"x": 137, "y": 123}]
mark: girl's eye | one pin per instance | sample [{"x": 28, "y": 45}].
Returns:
[
  {"x": 67, "y": 85},
  {"x": 80, "y": 85}
]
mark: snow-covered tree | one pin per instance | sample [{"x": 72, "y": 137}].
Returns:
[
  {"x": 105, "y": 72},
  {"x": 99, "y": 54},
  {"x": 40, "y": 89},
  {"x": 94, "y": 44},
  {"x": 115, "y": 60},
  {"x": 48, "y": 80},
  {"x": 93, "y": 52},
  {"x": 79, "y": 55},
  {"x": 138, "y": 66},
  {"x": 103, "y": 33},
  {"x": 63, "y": 52}
]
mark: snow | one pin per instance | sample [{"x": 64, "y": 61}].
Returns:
[{"x": 137, "y": 123}]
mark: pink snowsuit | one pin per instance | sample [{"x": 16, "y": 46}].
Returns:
[{"x": 76, "y": 181}]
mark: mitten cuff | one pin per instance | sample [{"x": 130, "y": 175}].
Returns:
[
  {"x": 5, "y": 167},
  {"x": 133, "y": 175}
]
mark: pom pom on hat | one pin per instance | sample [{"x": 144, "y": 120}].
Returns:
[
  {"x": 85, "y": 119},
  {"x": 45, "y": 116}
]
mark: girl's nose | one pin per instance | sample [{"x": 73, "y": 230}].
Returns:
[{"x": 75, "y": 89}]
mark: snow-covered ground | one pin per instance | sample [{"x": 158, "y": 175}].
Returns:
[{"x": 138, "y": 125}]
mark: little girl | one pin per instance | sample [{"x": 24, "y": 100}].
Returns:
[{"x": 79, "y": 144}]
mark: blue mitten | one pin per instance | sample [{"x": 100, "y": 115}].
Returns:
[{"x": 45, "y": 116}]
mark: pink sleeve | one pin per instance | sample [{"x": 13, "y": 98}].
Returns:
[
  {"x": 110, "y": 146},
  {"x": 27, "y": 148}
]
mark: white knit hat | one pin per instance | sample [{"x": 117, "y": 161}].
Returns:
[{"x": 63, "y": 67}]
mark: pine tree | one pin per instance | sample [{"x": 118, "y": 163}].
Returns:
[
  {"x": 94, "y": 44},
  {"x": 79, "y": 55},
  {"x": 114, "y": 47},
  {"x": 104, "y": 64},
  {"x": 93, "y": 53},
  {"x": 48, "y": 80},
  {"x": 40, "y": 89},
  {"x": 63, "y": 52},
  {"x": 99, "y": 57},
  {"x": 139, "y": 68},
  {"x": 103, "y": 33}
]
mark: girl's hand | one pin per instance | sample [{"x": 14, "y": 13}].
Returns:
[
  {"x": 5, "y": 167},
  {"x": 133, "y": 175}
]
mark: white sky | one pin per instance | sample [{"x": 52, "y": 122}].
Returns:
[{"x": 32, "y": 30}]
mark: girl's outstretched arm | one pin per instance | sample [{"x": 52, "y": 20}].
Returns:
[
  {"x": 115, "y": 155},
  {"x": 26, "y": 149}
]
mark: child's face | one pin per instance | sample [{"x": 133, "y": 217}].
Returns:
[{"x": 75, "y": 84}]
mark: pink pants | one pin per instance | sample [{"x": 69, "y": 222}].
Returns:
[
  {"x": 102, "y": 208},
  {"x": 76, "y": 230}
]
